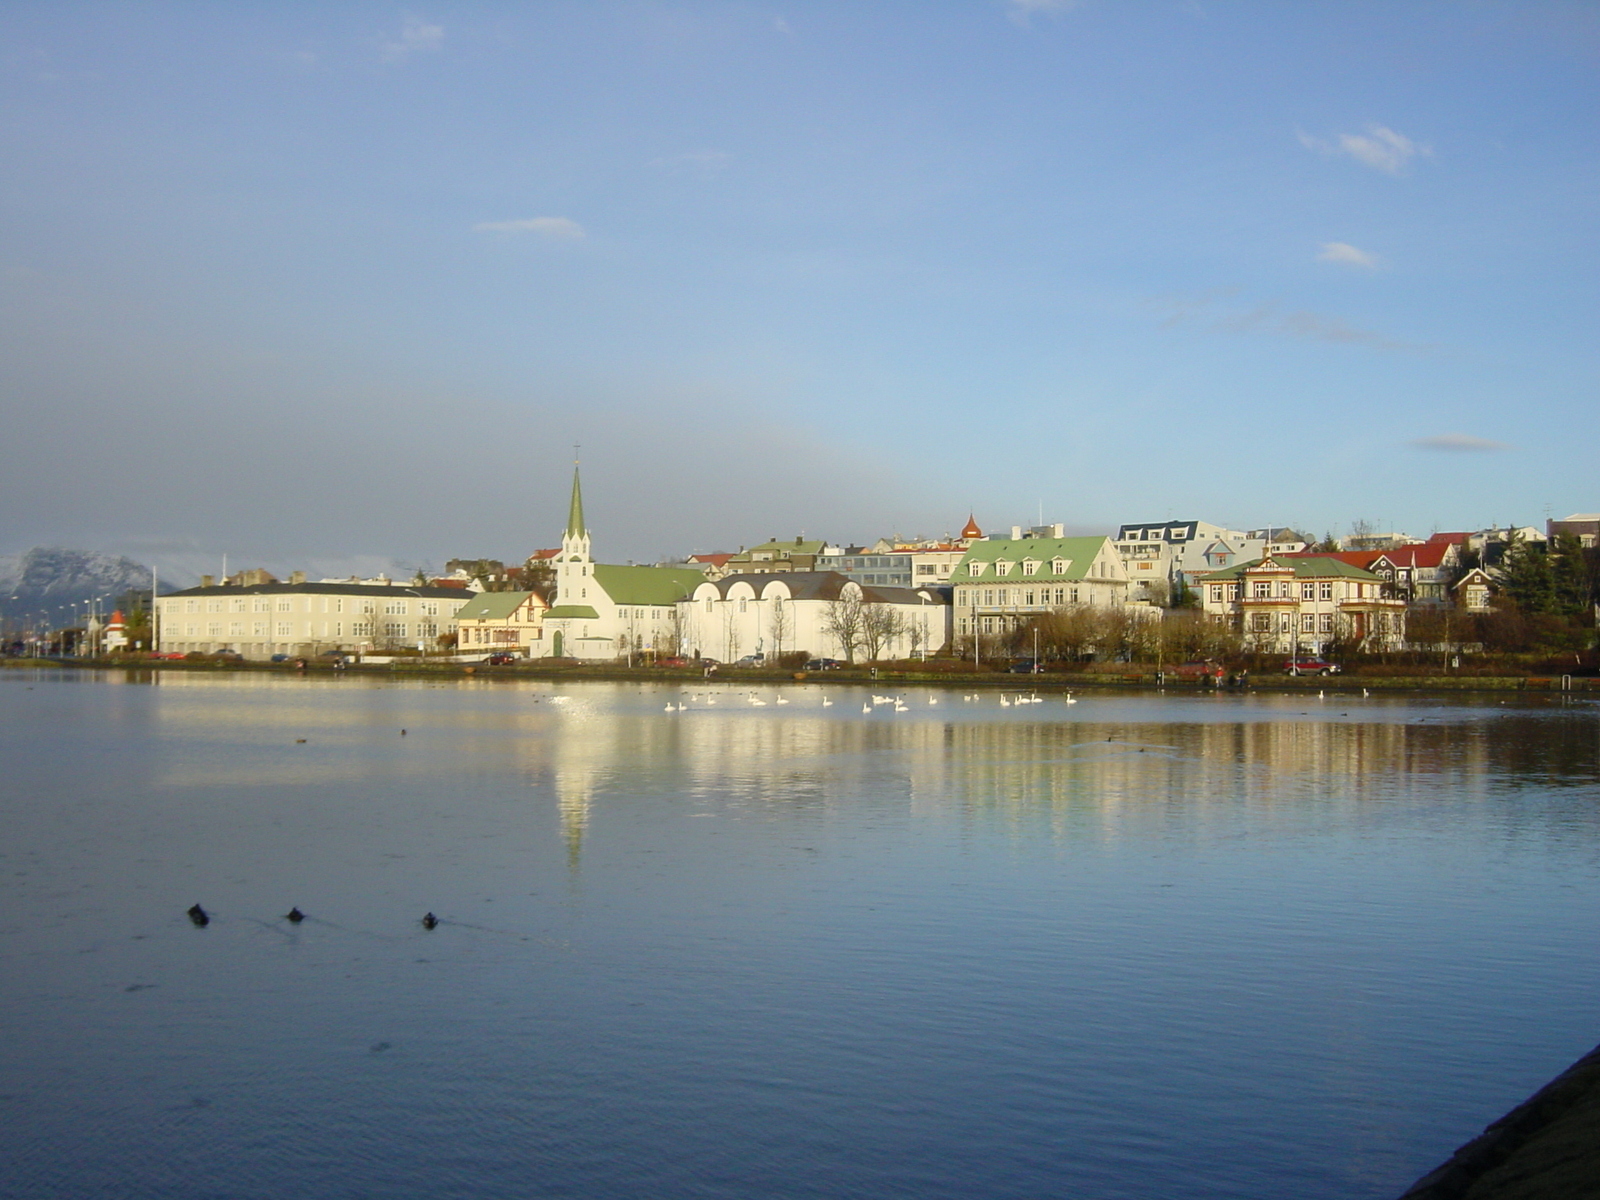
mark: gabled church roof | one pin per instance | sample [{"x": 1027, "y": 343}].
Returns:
[{"x": 647, "y": 585}]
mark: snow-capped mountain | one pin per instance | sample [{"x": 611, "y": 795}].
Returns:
[{"x": 45, "y": 584}]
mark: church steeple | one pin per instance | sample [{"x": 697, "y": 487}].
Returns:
[
  {"x": 574, "y": 566},
  {"x": 575, "y": 526}
]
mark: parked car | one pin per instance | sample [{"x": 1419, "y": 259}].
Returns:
[
  {"x": 1026, "y": 666},
  {"x": 168, "y": 655},
  {"x": 1310, "y": 666},
  {"x": 672, "y": 660},
  {"x": 751, "y": 660},
  {"x": 280, "y": 658},
  {"x": 1200, "y": 668},
  {"x": 335, "y": 655},
  {"x": 230, "y": 655},
  {"x": 501, "y": 660},
  {"x": 822, "y": 664}
]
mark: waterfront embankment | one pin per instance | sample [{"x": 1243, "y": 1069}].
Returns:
[
  {"x": 1547, "y": 1148},
  {"x": 940, "y": 674}
]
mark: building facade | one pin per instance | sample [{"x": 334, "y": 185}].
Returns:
[
  {"x": 305, "y": 619},
  {"x": 1290, "y": 604},
  {"x": 502, "y": 623},
  {"x": 821, "y": 613},
  {"x": 1002, "y": 582}
]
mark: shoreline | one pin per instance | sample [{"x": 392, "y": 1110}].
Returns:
[
  {"x": 1135, "y": 677},
  {"x": 1546, "y": 1147}
]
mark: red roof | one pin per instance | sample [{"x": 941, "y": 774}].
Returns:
[
  {"x": 544, "y": 555},
  {"x": 1428, "y": 554},
  {"x": 712, "y": 560},
  {"x": 1449, "y": 539},
  {"x": 1418, "y": 554},
  {"x": 1355, "y": 558}
]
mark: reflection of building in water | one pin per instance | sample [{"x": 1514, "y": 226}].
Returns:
[{"x": 1106, "y": 773}]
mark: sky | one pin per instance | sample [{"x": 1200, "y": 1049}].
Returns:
[{"x": 334, "y": 285}]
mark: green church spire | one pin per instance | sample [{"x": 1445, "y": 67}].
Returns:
[{"x": 575, "y": 527}]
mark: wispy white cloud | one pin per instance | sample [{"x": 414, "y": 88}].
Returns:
[
  {"x": 559, "y": 228},
  {"x": 1208, "y": 312},
  {"x": 416, "y": 35},
  {"x": 1022, "y": 12},
  {"x": 1380, "y": 148},
  {"x": 1458, "y": 443},
  {"x": 779, "y": 25},
  {"x": 1347, "y": 255}
]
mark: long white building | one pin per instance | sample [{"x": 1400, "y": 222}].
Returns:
[{"x": 303, "y": 619}]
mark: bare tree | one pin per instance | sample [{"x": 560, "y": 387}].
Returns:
[
  {"x": 675, "y": 636},
  {"x": 780, "y": 625},
  {"x": 730, "y": 631},
  {"x": 843, "y": 622},
  {"x": 881, "y": 626}
]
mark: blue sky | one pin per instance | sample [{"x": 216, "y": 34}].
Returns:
[{"x": 336, "y": 283}]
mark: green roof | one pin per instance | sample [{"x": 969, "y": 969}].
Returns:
[
  {"x": 1304, "y": 568},
  {"x": 782, "y": 549},
  {"x": 572, "y": 612},
  {"x": 648, "y": 585},
  {"x": 1077, "y": 552},
  {"x": 492, "y": 606}
]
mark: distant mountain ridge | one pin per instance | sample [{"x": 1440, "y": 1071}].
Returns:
[{"x": 44, "y": 584}]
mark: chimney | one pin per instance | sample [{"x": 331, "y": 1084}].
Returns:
[
  {"x": 297, "y": 576},
  {"x": 208, "y": 580},
  {"x": 1016, "y": 533}
]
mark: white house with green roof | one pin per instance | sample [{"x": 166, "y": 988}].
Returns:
[
  {"x": 608, "y": 612},
  {"x": 1002, "y": 582}
]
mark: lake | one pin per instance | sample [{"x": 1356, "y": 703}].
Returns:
[{"x": 1141, "y": 945}]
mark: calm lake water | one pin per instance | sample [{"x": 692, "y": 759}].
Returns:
[{"x": 1138, "y": 946}]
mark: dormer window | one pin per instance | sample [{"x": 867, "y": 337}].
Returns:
[
  {"x": 1002, "y": 568},
  {"x": 976, "y": 568},
  {"x": 1060, "y": 565},
  {"x": 1029, "y": 567}
]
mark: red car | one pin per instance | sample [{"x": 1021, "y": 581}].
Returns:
[
  {"x": 1310, "y": 666},
  {"x": 1201, "y": 668}
]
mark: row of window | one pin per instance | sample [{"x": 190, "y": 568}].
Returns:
[
  {"x": 1023, "y": 597},
  {"x": 1030, "y": 566},
  {"x": 1263, "y": 589},
  {"x": 330, "y": 604},
  {"x": 1261, "y": 622},
  {"x": 285, "y": 629}
]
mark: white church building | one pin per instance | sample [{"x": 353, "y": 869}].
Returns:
[{"x": 610, "y": 612}]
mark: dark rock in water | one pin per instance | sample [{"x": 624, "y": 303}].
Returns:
[
  {"x": 429, "y": 921},
  {"x": 295, "y": 915},
  {"x": 199, "y": 915}
]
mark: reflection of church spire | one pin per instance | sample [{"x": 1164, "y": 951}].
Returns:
[{"x": 572, "y": 801}]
